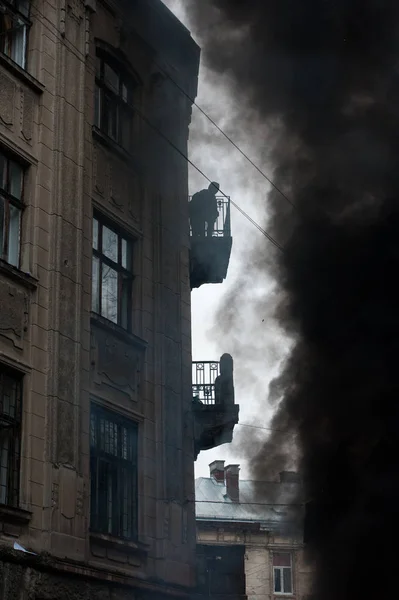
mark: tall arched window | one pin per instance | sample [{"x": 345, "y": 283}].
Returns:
[{"x": 114, "y": 94}]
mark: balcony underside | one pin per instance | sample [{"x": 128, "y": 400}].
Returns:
[
  {"x": 209, "y": 260},
  {"x": 213, "y": 425}
]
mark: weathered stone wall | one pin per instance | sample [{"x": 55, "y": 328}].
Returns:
[{"x": 47, "y": 332}]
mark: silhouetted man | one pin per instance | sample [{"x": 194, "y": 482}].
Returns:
[{"x": 203, "y": 209}]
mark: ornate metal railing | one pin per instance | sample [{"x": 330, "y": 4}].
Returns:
[
  {"x": 222, "y": 226},
  {"x": 204, "y": 375}
]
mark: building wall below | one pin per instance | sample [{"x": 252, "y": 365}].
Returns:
[{"x": 28, "y": 577}]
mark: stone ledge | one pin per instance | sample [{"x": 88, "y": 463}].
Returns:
[
  {"x": 23, "y": 75},
  {"x": 118, "y": 331},
  {"x": 128, "y": 546},
  {"x": 9, "y": 514},
  {"x": 17, "y": 275},
  {"x": 115, "y": 147}
]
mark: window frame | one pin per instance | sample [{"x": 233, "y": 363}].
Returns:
[
  {"x": 99, "y": 516},
  {"x": 8, "y": 200},
  {"x": 13, "y": 9},
  {"x": 281, "y": 570},
  {"x": 12, "y": 487},
  {"x": 105, "y": 92},
  {"x": 124, "y": 274}
]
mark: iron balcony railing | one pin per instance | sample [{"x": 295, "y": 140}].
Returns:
[
  {"x": 222, "y": 226},
  {"x": 204, "y": 376}
]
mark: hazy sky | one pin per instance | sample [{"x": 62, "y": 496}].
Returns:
[{"x": 214, "y": 155}]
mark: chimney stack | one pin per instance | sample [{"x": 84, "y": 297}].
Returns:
[
  {"x": 232, "y": 482},
  {"x": 216, "y": 470}
]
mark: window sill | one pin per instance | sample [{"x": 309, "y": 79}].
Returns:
[
  {"x": 132, "y": 547},
  {"x": 23, "y": 75},
  {"x": 118, "y": 331},
  {"x": 17, "y": 275},
  {"x": 18, "y": 516},
  {"x": 114, "y": 146}
]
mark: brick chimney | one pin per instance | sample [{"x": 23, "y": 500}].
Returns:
[
  {"x": 216, "y": 470},
  {"x": 232, "y": 482}
]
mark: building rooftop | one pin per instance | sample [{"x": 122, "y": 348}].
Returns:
[{"x": 266, "y": 503}]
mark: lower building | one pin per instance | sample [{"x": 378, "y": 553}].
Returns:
[{"x": 250, "y": 537}]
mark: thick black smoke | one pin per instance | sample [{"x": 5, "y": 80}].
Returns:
[{"x": 324, "y": 73}]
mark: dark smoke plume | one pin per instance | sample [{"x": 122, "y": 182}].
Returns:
[{"x": 324, "y": 73}]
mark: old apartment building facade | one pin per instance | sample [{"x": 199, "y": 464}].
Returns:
[
  {"x": 98, "y": 432},
  {"x": 250, "y": 537}
]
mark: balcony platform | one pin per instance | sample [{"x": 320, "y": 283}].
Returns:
[
  {"x": 214, "y": 409},
  {"x": 210, "y": 255}
]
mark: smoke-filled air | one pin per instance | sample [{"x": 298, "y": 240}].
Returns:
[{"x": 324, "y": 74}]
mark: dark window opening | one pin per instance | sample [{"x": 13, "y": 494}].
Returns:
[
  {"x": 113, "y": 470},
  {"x": 114, "y": 92},
  {"x": 112, "y": 276},
  {"x": 10, "y": 437},
  {"x": 11, "y": 205},
  {"x": 14, "y": 28}
]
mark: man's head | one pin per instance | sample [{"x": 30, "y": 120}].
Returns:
[{"x": 214, "y": 187}]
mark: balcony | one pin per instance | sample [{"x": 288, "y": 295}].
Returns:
[
  {"x": 210, "y": 255},
  {"x": 215, "y": 412}
]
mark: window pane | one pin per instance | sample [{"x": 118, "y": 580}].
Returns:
[
  {"x": 126, "y": 129},
  {"x": 1, "y": 227},
  {"x": 3, "y": 172},
  {"x": 97, "y": 106},
  {"x": 125, "y": 302},
  {"x": 126, "y": 255},
  {"x": 111, "y": 116},
  {"x": 13, "y": 236},
  {"x": 95, "y": 234},
  {"x": 18, "y": 43},
  {"x": 99, "y": 63},
  {"x": 111, "y": 78},
  {"x": 6, "y": 26},
  {"x": 287, "y": 581},
  {"x": 109, "y": 294},
  {"x": 282, "y": 559},
  {"x": 277, "y": 580},
  {"x": 15, "y": 177},
  {"x": 95, "y": 285},
  {"x": 110, "y": 244}
]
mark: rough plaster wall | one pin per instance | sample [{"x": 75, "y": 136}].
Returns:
[{"x": 257, "y": 573}]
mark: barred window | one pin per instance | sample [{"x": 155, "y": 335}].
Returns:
[
  {"x": 282, "y": 569},
  {"x": 113, "y": 468},
  {"x": 10, "y": 437},
  {"x": 112, "y": 276},
  {"x": 114, "y": 92},
  {"x": 14, "y": 28},
  {"x": 11, "y": 195}
]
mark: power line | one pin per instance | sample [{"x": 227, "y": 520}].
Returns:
[
  {"x": 248, "y": 503},
  {"x": 81, "y": 56},
  {"x": 264, "y": 428},
  {"x": 213, "y": 122},
  {"x": 169, "y": 141}
]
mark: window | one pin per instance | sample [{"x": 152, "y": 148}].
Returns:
[
  {"x": 113, "y": 101},
  {"x": 112, "y": 275},
  {"x": 282, "y": 568},
  {"x": 113, "y": 468},
  {"x": 10, "y": 437},
  {"x": 11, "y": 192},
  {"x": 14, "y": 26}
]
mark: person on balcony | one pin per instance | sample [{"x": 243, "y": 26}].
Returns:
[{"x": 203, "y": 209}]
